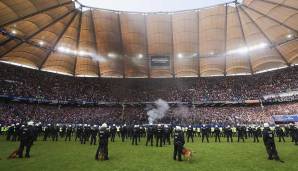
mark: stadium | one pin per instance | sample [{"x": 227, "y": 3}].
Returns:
[{"x": 149, "y": 85}]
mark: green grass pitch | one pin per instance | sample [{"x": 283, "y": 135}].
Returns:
[{"x": 55, "y": 156}]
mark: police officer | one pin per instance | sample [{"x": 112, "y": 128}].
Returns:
[
  {"x": 93, "y": 135},
  {"x": 166, "y": 135},
  {"x": 150, "y": 134},
  {"x": 217, "y": 133},
  {"x": 47, "y": 131},
  {"x": 178, "y": 143},
  {"x": 10, "y": 132},
  {"x": 189, "y": 133},
  {"x": 84, "y": 134},
  {"x": 113, "y": 131},
  {"x": 14, "y": 133},
  {"x": 229, "y": 133},
  {"x": 55, "y": 132},
  {"x": 26, "y": 139},
  {"x": 296, "y": 135},
  {"x": 268, "y": 138},
  {"x": 280, "y": 133},
  {"x": 292, "y": 132},
  {"x": 103, "y": 143},
  {"x": 123, "y": 132},
  {"x": 68, "y": 133},
  {"x": 159, "y": 133},
  {"x": 79, "y": 132},
  {"x": 205, "y": 133},
  {"x": 240, "y": 132},
  {"x": 135, "y": 134},
  {"x": 255, "y": 134}
]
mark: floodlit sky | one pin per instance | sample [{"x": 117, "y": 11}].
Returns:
[{"x": 151, "y": 5}]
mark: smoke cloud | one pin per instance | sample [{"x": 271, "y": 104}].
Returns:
[{"x": 161, "y": 107}]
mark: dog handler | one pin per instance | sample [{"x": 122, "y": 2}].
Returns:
[{"x": 178, "y": 143}]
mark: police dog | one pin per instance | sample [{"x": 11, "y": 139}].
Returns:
[
  {"x": 187, "y": 154},
  {"x": 13, "y": 155}
]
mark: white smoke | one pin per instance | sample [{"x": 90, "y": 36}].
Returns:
[{"x": 161, "y": 107}]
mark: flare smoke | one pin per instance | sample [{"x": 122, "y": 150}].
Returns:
[{"x": 161, "y": 107}]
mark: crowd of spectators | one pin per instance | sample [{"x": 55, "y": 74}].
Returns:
[
  {"x": 18, "y": 112},
  {"x": 23, "y": 82},
  {"x": 18, "y": 81}
]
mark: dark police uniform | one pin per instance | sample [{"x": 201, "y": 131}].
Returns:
[
  {"x": 79, "y": 132},
  {"x": 296, "y": 136},
  {"x": 135, "y": 135},
  {"x": 280, "y": 133},
  {"x": 217, "y": 134},
  {"x": 205, "y": 132},
  {"x": 68, "y": 133},
  {"x": 178, "y": 144},
  {"x": 159, "y": 133},
  {"x": 123, "y": 132},
  {"x": 47, "y": 131},
  {"x": 292, "y": 132},
  {"x": 229, "y": 134},
  {"x": 189, "y": 133},
  {"x": 166, "y": 135},
  {"x": 149, "y": 135},
  {"x": 94, "y": 131},
  {"x": 103, "y": 144},
  {"x": 240, "y": 133},
  {"x": 268, "y": 138},
  {"x": 55, "y": 132},
  {"x": 255, "y": 133},
  {"x": 26, "y": 140},
  {"x": 113, "y": 133}
]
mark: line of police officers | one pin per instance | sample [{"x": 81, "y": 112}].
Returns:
[{"x": 161, "y": 133}]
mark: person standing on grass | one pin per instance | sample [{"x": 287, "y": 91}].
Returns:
[
  {"x": 217, "y": 133},
  {"x": 296, "y": 135},
  {"x": 94, "y": 131},
  {"x": 159, "y": 133},
  {"x": 150, "y": 134},
  {"x": 229, "y": 133},
  {"x": 189, "y": 133},
  {"x": 268, "y": 138},
  {"x": 205, "y": 133},
  {"x": 280, "y": 133},
  {"x": 178, "y": 143},
  {"x": 135, "y": 134},
  {"x": 102, "y": 150},
  {"x": 26, "y": 139}
]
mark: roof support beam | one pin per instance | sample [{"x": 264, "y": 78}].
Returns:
[
  {"x": 78, "y": 40},
  {"x": 265, "y": 15},
  {"x": 34, "y": 34},
  {"x": 244, "y": 38},
  {"x": 226, "y": 32},
  {"x": 94, "y": 35},
  {"x": 285, "y": 42},
  {"x": 283, "y": 5},
  {"x": 198, "y": 47},
  {"x": 265, "y": 35},
  {"x": 146, "y": 49},
  {"x": 56, "y": 42},
  {"x": 121, "y": 46},
  {"x": 38, "y": 12},
  {"x": 173, "y": 52}
]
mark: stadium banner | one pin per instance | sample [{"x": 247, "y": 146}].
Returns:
[
  {"x": 285, "y": 118},
  {"x": 160, "y": 61}
]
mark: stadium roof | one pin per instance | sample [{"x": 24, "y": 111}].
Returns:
[{"x": 227, "y": 39}]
